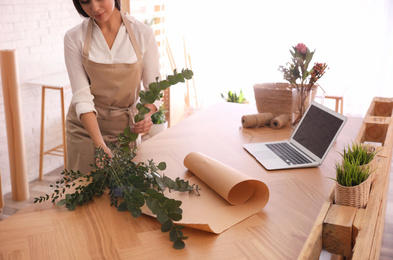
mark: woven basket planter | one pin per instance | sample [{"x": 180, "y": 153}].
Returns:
[
  {"x": 356, "y": 196},
  {"x": 275, "y": 98}
]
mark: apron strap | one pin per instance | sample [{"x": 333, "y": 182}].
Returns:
[
  {"x": 86, "y": 46},
  {"x": 127, "y": 24}
]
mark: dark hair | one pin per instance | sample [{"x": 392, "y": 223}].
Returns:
[{"x": 80, "y": 10}]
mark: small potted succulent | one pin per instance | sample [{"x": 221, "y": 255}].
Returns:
[
  {"x": 355, "y": 174},
  {"x": 234, "y": 98},
  {"x": 159, "y": 121}
]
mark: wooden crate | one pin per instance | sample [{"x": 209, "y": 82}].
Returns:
[{"x": 351, "y": 232}]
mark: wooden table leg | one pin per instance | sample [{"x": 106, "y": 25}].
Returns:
[
  {"x": 63, "y": 125},
  {"x": 42, "y": 133}
]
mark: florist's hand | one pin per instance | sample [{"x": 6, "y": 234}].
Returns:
[
  {"x": 142, "y": 126},
  {"x": 108, "y": 152}
]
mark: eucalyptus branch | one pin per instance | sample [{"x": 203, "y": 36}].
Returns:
[{"x": 131, "y": 185}]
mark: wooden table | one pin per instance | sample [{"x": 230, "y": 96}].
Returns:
[{"x": 98, "y": 231}]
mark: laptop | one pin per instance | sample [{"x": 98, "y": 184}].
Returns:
[{"x": 309, "y": 144}]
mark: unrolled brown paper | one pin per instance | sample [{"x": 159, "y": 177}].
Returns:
[
  {"x": 13, "y": 118},
  {"x": 279, "y": 122},
  {"x": 256, "y": 120},
  {"x": 228, "y": 196}
]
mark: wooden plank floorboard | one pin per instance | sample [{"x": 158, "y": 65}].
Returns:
[{"x": 38, "y": 188}]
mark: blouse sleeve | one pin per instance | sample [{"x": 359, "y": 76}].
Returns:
[
  {"x": 151, "y": 64},
  {"x": 82, "y": 98}
]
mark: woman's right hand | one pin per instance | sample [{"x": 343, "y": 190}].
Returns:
[{"x": 108, "y": 152}]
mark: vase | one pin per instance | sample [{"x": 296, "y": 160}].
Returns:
[{"x": 301, "y": 100}]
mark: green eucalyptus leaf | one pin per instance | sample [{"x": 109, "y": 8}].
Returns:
[
  {"x": 169, "y": 205},
  {"x": 164, "y": 84},
  {"x": 167, "y": 226},
  {"x": 179, "y": 244},
  {"x": 175, "y": 216},
  {"x": 61, "y": 202},
  {"x": 187, "y": 74},
  {"x": 161, "y": 166},
  {"x": 162, "y": 216},
  {"x": 154, "y": 206},
  {"x": 122, "y": 207},
  {"x": 172, "y": 80},
  {"x": 173, "y": 235},
  {"x": 154, "y": 87},
  {"x": 136, "y": 212}
]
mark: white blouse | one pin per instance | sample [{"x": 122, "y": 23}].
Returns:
[{"x": 121, "y": 52}]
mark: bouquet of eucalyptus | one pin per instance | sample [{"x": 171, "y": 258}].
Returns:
[{"x": 130, "y": 185}]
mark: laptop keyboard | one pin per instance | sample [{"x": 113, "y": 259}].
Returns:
[{"x": 288, "y": 153}]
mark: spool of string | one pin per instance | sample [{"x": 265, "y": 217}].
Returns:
[
  {"x": 256, "y": 120},
  {"x": 279, "y": 121}
]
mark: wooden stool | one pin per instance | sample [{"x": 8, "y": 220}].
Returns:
[
  {"x": 59, "y": 150},
  {"x": 57, "y": 82},
  {"x": 339, "y": 103}
]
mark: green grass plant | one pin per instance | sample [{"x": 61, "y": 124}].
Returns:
[
  {"x": 359, "y": 153},
  {"x": 351, "y": 174}
]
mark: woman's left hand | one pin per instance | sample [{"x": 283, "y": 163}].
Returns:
[{"x": 142, "y": 126}]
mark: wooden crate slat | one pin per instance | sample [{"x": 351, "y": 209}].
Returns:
[{"x": 368, "y": 223}]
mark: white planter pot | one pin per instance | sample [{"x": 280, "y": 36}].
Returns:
[{"x": 156, "y": 128}]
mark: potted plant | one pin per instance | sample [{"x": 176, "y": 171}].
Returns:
[
  {"x": 354, "y": 175},
  {"x": 301, "y": 79},
  {"x": 159, "y": 122},
  {"x": 234, "y": 98}
]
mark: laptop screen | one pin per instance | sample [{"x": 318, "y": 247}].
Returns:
[{"x": 317, "y": 130}]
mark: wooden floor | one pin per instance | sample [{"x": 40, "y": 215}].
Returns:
[{"x": 38, "y": 188}]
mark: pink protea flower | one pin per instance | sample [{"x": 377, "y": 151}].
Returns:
[{"x": 302, "y": 48}]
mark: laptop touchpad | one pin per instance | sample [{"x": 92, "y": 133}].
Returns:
[{"x": 264, "y": 155}]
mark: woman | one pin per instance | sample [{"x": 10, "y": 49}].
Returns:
[{"x": 106, "y": 57}]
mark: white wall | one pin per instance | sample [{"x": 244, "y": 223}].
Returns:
[
  {"x": 235, "y": 44},
  {"x": 35, "y": 29}
]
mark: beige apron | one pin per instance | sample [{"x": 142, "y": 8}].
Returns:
[{"x": 115, "y": 88}]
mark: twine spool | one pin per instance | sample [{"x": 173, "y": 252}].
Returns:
[
  {"x": 279, "y": 121},
  {"x": 256, "y": 120}
]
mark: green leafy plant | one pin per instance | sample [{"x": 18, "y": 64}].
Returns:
[
  {"x": 299, "y": 77},
  {"x": 159, "y": 116},
  {"x": 234, "y": 98},
  {"x": 155, "y": 93},
  {"x": 354, "y": 168},
  {"x": 130, "y": 185},
  {"x": 350, "y": 174},
  {"x": 359, "y": 153}
]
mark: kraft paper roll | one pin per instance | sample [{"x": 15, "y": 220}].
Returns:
[
  {"x": 228, "y": 196},
  {"x": 13, "y": 118},
  {"x": 257, "y": 120},
  {"x": 279, "y": 122}
]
